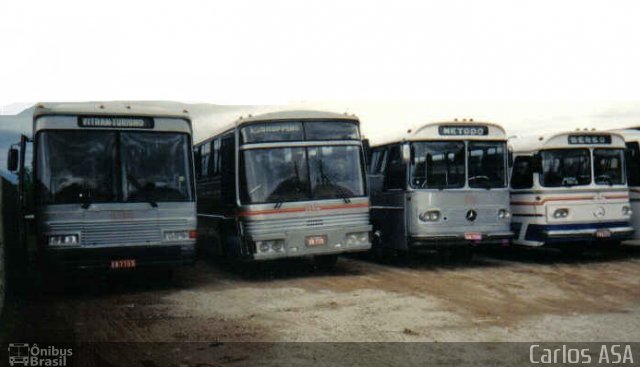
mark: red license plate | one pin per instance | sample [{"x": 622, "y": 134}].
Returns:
[
  {"x": 316, "y": 240},
  {"x": 473, "y": 236},
  {"x": 603, "y": 233},
  {"x": 123, "y": 264}
]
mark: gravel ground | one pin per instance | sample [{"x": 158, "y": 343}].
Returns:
[{"x": 502, "y": 295}]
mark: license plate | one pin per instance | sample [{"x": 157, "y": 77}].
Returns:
[
  {"x": 473, "y": 236},
  {"x": 603, "y": 233},
  {"x": 123, "y": 264},
  {"x": 316, "y": 240}
]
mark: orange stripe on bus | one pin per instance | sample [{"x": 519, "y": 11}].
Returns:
[
  {"x": 567, "y": 198},
  {"x": 616, "y": 196},
  {"x": 303, "y": 209}
]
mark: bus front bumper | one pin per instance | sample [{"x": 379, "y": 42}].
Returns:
[
  {"x": 589, "y": 234},
  {"x": 419, "y": 242},
  {"x": 119, "y": 258},
  {"x": 583, "y": 232},
  {"x": 295, "y": 243}
]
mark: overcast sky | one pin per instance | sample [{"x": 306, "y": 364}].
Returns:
[{"x": 395, "y": 63}]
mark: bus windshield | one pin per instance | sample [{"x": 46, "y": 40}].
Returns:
[
  {"x": 565, "y": 167},
  {"x": 79, "y": 166},
  {"x": 487, "y": 164},
  {"x": 607, "y": 166},
  {"x": 295, "y": 174},
  {"x": 438, "y": 165}
]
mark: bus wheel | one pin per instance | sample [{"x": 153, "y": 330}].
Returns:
[
  {"x": 572, "y": 252},
  {"x": 377, "y": 252},
  {"x": 463, "y": 255},
  {"x": 325, "y": 262}
]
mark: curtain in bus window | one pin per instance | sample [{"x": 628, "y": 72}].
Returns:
[
  {"x": 487, "y": 165},
  {"x": 437, "y": 165},
  {"x": 607, "y": 166},
  {"x": 77, "y": 167},
  {"x": 335, "y": 172},
  {"x": 565, "y": 167},
  {"x": 155, "y": 167},
  {"x": 274, "y": 175}
]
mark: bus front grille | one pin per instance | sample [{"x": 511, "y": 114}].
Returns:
[
  {"x": 133, "y": 232},
  {"x": 266, "y": 226}
]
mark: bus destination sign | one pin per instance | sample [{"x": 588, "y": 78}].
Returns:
[
  {"x": 274, "y": 131},
  {"x": 461, "y": 130},
  {"x": 590, "y": 139},
  {"x": 116, "y": 122}
]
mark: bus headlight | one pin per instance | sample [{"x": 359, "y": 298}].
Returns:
[
  {"x": 504, "y": 214},
  {"x": 430, "y": 216},
  {"x": 177, "y": 235},
  {"x": 561, "y": 213},
  {"x": 359, "y": 238},
  {"x": 270, "y": 246},
  {"x": 626, "y": 210},
  {"x": 64, "y": 240}
]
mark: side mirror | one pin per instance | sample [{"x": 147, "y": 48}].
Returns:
[
  {"x": 13, "y": 158},
  {"x": 536, "y": 163},
  {"x": 510, "y": 158},
  {"x": 406, "y": 153}
]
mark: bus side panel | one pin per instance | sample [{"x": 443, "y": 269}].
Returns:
[
  {"x": 634, "y": 197},
  {"x": 388, "y": 217}
]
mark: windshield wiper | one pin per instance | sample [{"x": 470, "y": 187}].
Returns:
[
  {"x": 605, "y": 178},
  {"x": 339, "y": 189},
  {"x": 139, "y": 187},
  {"x": 482, "y": 180}
]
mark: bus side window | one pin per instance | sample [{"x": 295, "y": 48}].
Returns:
[
  {"x": 197, "y": 159},
  {"x": 382, "y": 161},
  {"x": 371, "y": 168},
  {"x": 215, "y": 170},
  {"x": 227, "y": 169},
  {"x": 395, "y": 170},
  {"x": 522, "y": 175},
  {"x": 633, "y": 163},
  {"x": 205, "y": 154}
]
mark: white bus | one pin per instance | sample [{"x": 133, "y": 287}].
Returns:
[
  {"x": 569, "y": 190},
  {"x": 632, "y": 140},
  {"x": 284, "y": 184},
  {"x": 441, "y": 186}
]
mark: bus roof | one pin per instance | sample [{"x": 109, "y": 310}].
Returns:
[
  {"x": 450, "y": 130},
  {"x": 112, "y": 108},
  {"x": 283, "y": 116},
  {"x": 629, "y": 133},
  {"x": 556, "y": 140}
]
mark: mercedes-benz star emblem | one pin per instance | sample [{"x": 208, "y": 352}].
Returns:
[{"x": 471, "y": 215}]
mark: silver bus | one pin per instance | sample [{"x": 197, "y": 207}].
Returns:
[
  {"x": 284, "y": 184},
  {"x": 112, "y": 186},
  {"x": 441, "y": 186},
  {"x": 569, "y": 190}
]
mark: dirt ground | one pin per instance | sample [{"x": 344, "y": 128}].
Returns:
[{"x": 503, "y": 295}]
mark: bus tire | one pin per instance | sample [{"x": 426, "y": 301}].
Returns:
[
  {"x": 462, "y": 255},
  {"x": 377, "y": 252},
  {"x": 325, "y": 262},
  {"x": 571, "y": 252}
]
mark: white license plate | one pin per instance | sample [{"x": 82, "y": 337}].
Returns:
[
  {"x": 603, "y": 233},
  {"x": 123, "y": 264},
  {"x": 316, "y": 240},
  {"x": 473, "y": 236}
]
